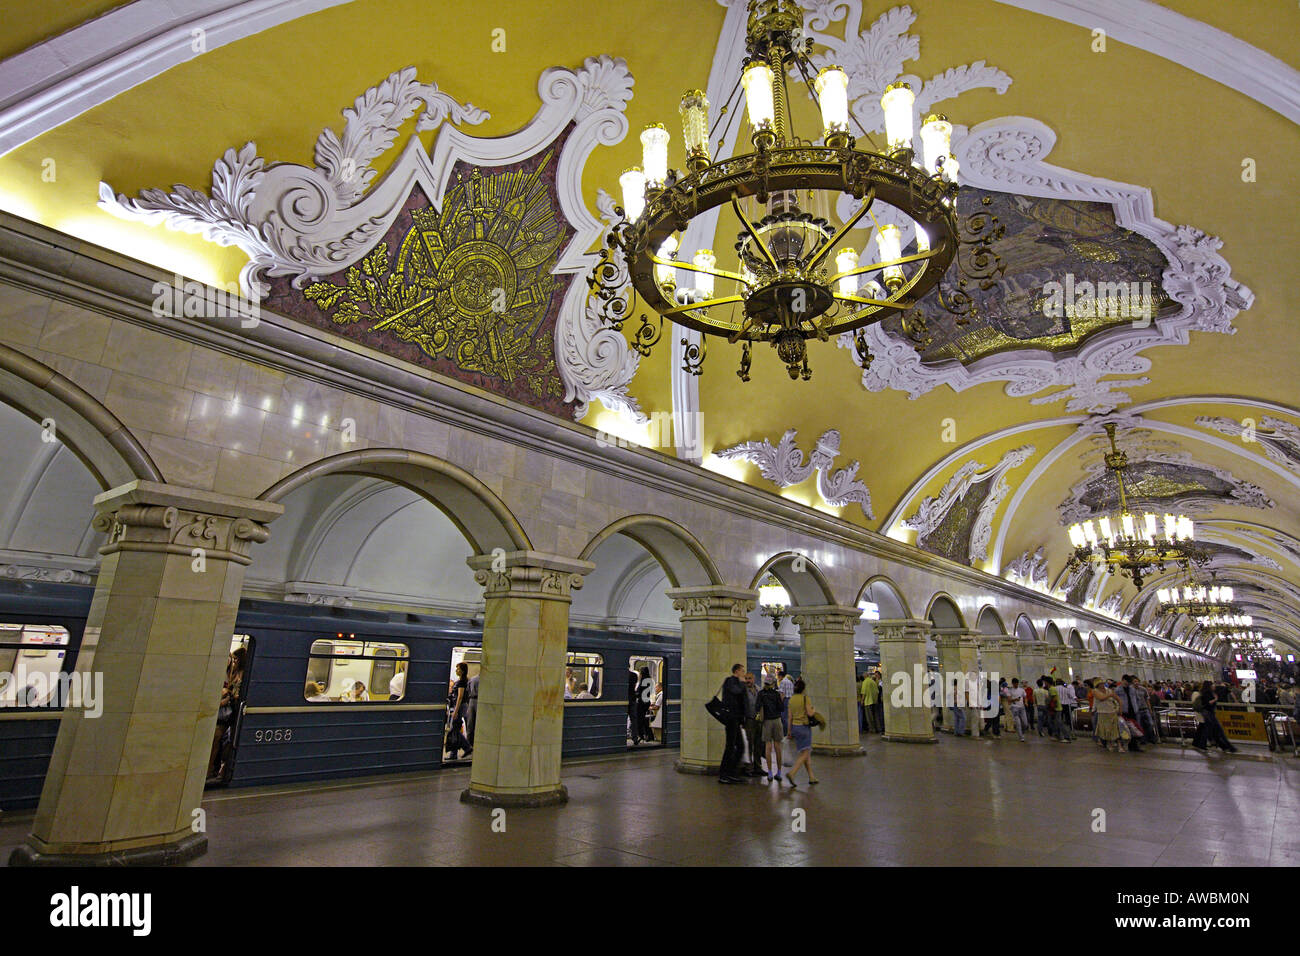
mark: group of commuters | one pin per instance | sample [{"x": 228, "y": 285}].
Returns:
[
  {"x": 645, "y": 706},
  {"x": 871, "y": 702},
  {"x": 462, "y": 709},
  {"x": 758, "y": 721}
]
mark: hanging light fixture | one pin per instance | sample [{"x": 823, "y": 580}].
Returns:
[
  {"x": 773, "y": 600},
  {"x": 1133, "y": 544},
  {"x": 1199, "y": 601},
  {"x": 789, "y": 283}
]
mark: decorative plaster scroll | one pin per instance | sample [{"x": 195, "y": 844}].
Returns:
[
  {"x": 784, "y": 465},
  {"x": 933, "y": 509},
  {"x": 310, "y": 222},
  {"x": 1279, "y": 439},
  {"x": 1007, "y": 155},
  {"x": 1030, "y": 570},
  {"x": 172, "y": 530},
  {"x": 28, "y": 572}
]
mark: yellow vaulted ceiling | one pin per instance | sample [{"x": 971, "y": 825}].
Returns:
[{"x": 1125, "y": 115}]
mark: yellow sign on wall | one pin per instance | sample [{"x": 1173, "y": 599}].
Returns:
[{"x": 1241, "y": 725}]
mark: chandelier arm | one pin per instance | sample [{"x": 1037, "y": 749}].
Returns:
[
  {"x": 692, "y": 267},
  {"x": 727, "y": 111},
  {"x": 833, "y": 241},
  {"x": 876, "y": 266},
  {"x": 844, "y": 297},
  {"x": 745, "y": 327},
  {"x": 753, "y": 234},
  {"x": 706, "y": 304}
]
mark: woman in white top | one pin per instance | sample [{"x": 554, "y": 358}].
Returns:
[{"x": 657, "y": 713}]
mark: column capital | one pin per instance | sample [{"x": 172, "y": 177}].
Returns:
[
  {"x": 171, "y": 519},
  {"x": 821, "y": 618},
  {"x": 713, "y": 602},
  {"x": 955, "y": 636},
  {"x": 529, "y": 574},
  {"x": 900, "y": 629}
]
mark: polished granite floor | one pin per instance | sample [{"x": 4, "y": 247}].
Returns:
[{"x": 962, "y": 802}]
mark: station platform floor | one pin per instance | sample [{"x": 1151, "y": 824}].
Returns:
[{"x": 961, "y": 802}]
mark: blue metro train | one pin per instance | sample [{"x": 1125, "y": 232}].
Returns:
[{"x": 335, "y": 693}]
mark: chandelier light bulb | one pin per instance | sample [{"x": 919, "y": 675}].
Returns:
[
  {"x": 936, "y": 142},
  {"x": 1126, "y": 523},
  {"x": 1151, "y": 527},
  {"x": 773, "y": 595},
  {"x": 632, "y": 183},
  {"x": 695, "y": 128},
  {"x": 897, "y": 103},
  {"x": 832, "y": 87},
  {"x": 889, "y": 244},
  {"x": 667, "y": 275},
  {"x": 1104, "y": 525},
  {"x": 654, "y": 155},
  {"x": 952, "y": 171},
  {"x": 1077, "y": 537},
  {"x": 704, "y": 259},
  {"x": 1089, "y": 532},
  {"x": 1171, "y": 527},
  {"x": 922, "y": 238},
  {"x": 759, "y": 104},
  {"x": 1226, "y": 593},
  {"x": 846, "y": 260}
]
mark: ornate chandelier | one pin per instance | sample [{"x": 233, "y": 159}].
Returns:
[
  {"x": 1198, "y": 601},
  {"x": 1134, "y": 544},
  {"x": 773, "y": 601},
  {"x": 794, "y": 277}
]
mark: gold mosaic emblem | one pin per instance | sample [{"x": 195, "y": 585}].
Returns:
[{"x": 469, "y": 283}]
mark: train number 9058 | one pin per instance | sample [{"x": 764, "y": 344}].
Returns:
[{"x": 273, "y": 736}]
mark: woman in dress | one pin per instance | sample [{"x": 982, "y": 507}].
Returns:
[
  {"x": 801, "y": 709},
  {"x": 1106, "y": 706}
]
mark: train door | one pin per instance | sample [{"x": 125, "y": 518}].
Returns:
[
  {"x": 472, "y": 658},
  {"x": 647, "y": 716},
  {"x": 230, "y": 714}
]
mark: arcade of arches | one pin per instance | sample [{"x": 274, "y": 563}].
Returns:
[{"x": 180, "y": 465}]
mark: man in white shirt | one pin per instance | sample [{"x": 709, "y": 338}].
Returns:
[
  {"x": 1019, "y": 717},
  {"x": 1069, "y": 701},
  {"x": 786, "y": 687}
]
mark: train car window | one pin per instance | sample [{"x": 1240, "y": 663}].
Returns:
[
  {"x": 584, "y": 677},
  {"x": 31, "y": 659},
  {"x": 344, "y": 670},
  {"x": 473, "y": 658}
]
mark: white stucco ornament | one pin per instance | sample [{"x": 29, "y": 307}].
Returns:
[
  {"x": 308, "y": 222},
  {"x": 784, "y": 464}
]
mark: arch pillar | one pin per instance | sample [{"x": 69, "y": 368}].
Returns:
[
  {"x": 826, "y": 640},
  {"x": 1072, "y": 663},
  {"x": 998, "y": 656},
  {"x": 1031, "y": 660},
  {"x": 902, "y": 663},
  {"x": 1058, "y": 656},
  {"x": 520, "y": 720},
  {"x": 714, "y": 623},
  {"x": 959, "y": 654},
  {"x": 127, "y": 774}
]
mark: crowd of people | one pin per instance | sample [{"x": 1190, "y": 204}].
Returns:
[{"x": 759, "y": 721}]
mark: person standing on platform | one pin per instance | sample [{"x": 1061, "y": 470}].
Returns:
[
  {"x": 770, "y": 708},
  {"x": 1016, "y": 695},
  {"x": 1068, "y": 704},
  {"x": 471, "y": 712},
  {"x": 879, "y": 678},
  {"x": 869, "y": 692},
  {"x": 753, "y": 728},
  {"x": 733, "y": 699},
  {"x": 786, "y": 687},
  {"x": 801, "y": 709}
]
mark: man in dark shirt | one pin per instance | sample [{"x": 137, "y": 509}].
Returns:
[
  {"x": 733, "y": 696},
  {"x": 1129, "y": 707}
]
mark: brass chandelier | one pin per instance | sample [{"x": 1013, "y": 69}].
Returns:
[
  {"x": 773, "y": 600},
  {"x": 1204, "y": 604},
  {"x": 1134, "y": 544},
  {"x": 793, "y": 278}
]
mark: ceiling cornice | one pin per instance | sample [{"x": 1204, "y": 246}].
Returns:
[
  {"x": 1197, "y": 46},
  {"x": 62, "y": 77}
]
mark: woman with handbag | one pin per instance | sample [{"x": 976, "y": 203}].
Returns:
[
  {"x": 232, "y": 694},
  {"x": 802, "y": 718},
  {"x": 455, "y": 741}
]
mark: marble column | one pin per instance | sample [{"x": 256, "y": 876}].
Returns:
[
  {"x": 1031, "y": 661},
  {"x": 826, "y": 641},
  {"x": 124, "y": 785},
  {"x": 909, "y": 717},
  {"x": 714, "y": 623},
  {"x": 520, "y": 719},
  {"x": 1058, "y": 656},
  {"x": 998, "y": 655},
  {"x": 1074, "y": 660},
  {"x": 959, "y": 653}
]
